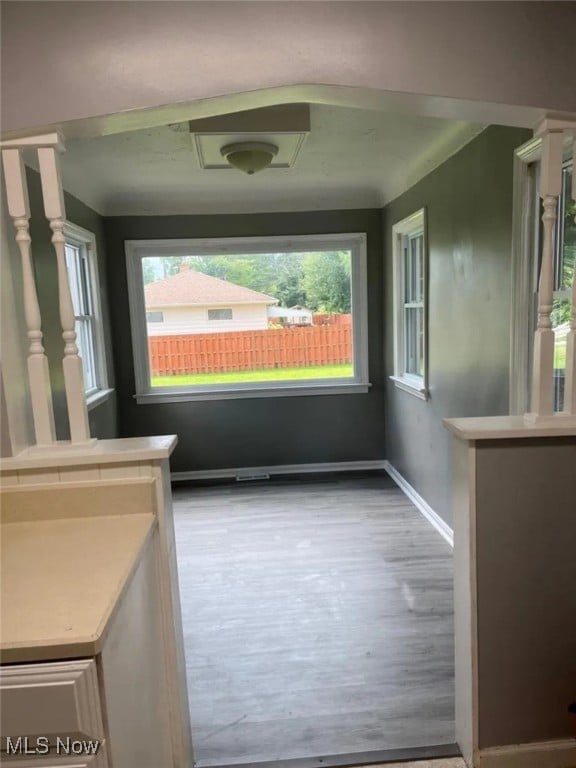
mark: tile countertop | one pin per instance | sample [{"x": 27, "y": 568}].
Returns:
[{"x": 61, "y": 581}]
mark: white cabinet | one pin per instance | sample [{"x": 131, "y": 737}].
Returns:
[
  {"x": 89, "y": 592},
  {"x": 116, "y": 701},
  {"x": 134, "y": 675}
]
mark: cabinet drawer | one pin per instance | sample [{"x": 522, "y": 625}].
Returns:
[{"x": 51, "y": 700}]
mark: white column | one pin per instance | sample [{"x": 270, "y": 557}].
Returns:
[
  {"x": 543, "y": 364},
  {"x": 38, "y": 372},
  {"x": 53, "y": 195},
  {"x": 570, "y": 382}
]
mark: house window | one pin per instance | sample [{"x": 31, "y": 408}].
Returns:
[
  {"x": 410, "y": 269},
  {"x": 223, "y": 303},
  {"x": 81, "y": 263},
  {"x": 154, "y": 317},
  {"x": 219, "y": 314},
  {"x": 527, "y": 253}
]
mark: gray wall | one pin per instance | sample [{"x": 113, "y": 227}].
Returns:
[
  {"x": 259, "y": 431},
  {"x": 468, "y": 202},
  {"x": 103, "y": 416}
]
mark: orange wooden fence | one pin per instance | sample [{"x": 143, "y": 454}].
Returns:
[
  {"x": 331, "y": 319},
  {"x": 250, "y": 350}
]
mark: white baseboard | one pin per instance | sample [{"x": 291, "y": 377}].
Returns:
[
  {"x": 421, "y": 504},
  {"x": 278, "y": 469},
  {"x": 544, "y": 754}
]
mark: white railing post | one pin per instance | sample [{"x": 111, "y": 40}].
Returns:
[
  {"x": 550, "y": 189},
  {"x": 54, "y": 209},
  {"x": 38, "y": 371},
  {"x": 570, "y": 381}
]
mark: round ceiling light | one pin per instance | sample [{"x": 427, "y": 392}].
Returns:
[{"x": 250, "y": 156}]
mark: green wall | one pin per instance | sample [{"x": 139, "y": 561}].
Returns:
[
  {"x": 218, "y": 434},
  {"x": 103, "y": 416},
  {"x": 468, "y": 202}
]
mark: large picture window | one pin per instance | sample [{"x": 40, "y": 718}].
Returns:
[
  {"x": 248, "y": 317},
  {"x": 410, "y": 267}
]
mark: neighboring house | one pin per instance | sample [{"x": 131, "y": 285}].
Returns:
[
  {"x": 291, "y": 315},
  {"x": 192, "y": 302}
]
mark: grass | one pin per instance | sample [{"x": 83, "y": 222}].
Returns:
[
  {"x": 560, "y": 353},
  {"x": 270, "y": 374}
]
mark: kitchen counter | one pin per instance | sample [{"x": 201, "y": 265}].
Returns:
[
  {"x": 63, "y": 454},
  {"x": 510, "y": 427},
  {"x": 62, "y": 580}
]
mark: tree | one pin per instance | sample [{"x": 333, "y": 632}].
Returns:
[
  {"x": 318, "y": 280},
  {"x": 326, "y": 281},
  {"x": 158, "y": 267},
  {"x": 290, "y": 275}
]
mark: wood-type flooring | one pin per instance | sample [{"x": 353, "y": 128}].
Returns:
[{"x": 318, "y": 621}]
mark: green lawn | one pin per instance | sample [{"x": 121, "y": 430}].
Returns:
[
  {"x": 271, "y": 374},
  {"x": 560, "y": 353}
]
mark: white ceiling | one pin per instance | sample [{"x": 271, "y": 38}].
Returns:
[{"x": 352, "y": 159}]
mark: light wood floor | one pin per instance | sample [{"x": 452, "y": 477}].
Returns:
[{"x": 317, "y": 620}]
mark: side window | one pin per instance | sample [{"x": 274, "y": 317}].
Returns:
[
  {"x": 83, "y": 277},
  {"x": 410, "y": 310},
  {"x": 564, "y": 259},
  {"x": 526, "y": 265}
]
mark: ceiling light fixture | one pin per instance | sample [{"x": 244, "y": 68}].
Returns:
[{"x": 250, "y": 156}]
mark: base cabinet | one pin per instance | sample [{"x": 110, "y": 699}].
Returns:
[
  {"x": 109, "y": 617},
  {"x": 133, "y": 673},
  {"x": 110, "y": 711}
]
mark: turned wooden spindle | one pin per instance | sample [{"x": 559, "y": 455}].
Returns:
[
  {"x": 37, "y": 363},
  {"x": 570, "y": 381},
  {"x": 550, "y": 189},
  {"x": 53, "y": 195}
]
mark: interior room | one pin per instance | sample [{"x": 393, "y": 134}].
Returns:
[
  {"x": 396, "y": 692},
  {"x": 288, "y": 375}
]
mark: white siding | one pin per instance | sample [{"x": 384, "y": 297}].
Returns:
[{"x": 182, "y": 320}]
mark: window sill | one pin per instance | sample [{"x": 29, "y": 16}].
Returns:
[
  {"x": 152, "y": 398},
  {"x": 97, "y": 398},
  {"x": 411, "y": 385}
]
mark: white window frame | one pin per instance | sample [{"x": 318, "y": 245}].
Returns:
[
  {"x": 86, "y": 241},
  {"x": 136, "y": 250},
  {"x": 523, "y": 300},
  {"x": 411, "y": 226}
]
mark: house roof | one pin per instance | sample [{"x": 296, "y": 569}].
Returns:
[{"x": 191, "y": 288}]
